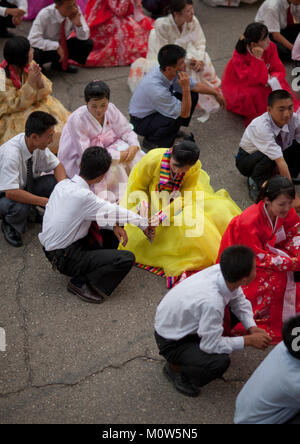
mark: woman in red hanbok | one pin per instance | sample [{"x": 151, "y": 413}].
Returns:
[
  {"x": 271, "y": 228},
  {"x": 252, "y": 73},
  {"x": 120, "y": 32}
]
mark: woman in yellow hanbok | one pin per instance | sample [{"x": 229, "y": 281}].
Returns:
[
  {"x": 170, "y": 184},
  {"x": 23, "y": 89}
]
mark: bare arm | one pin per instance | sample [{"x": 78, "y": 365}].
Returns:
[
  {"x": 184, "y": 82},
  {"x": 278, "y": 37},
  {"x": 60, "y": 173},
  {"x": 23, "y": 196}
]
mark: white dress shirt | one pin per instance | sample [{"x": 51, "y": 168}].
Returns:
[
  {"x": 13, "y": 157},
  {"x": 273, "y": 14},
  {"x": 272, "y": 394},
  {"x": 45, "y": 30},
  {"x": 71, "y": 209},
  {"x": 197, "y": 306},
  {"x": 261, "y": 135},
  {"x": 21, "y": 4}
]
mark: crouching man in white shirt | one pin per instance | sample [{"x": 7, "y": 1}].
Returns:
[
  {"x": 95, "y": 270},
  {"x": 189, "y": 321}
]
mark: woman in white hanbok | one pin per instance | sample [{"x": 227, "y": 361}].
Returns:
[
  {"x": 100, "y": 123},
  {"x": 182, "y": 28}
]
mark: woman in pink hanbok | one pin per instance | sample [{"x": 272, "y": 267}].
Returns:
[{"x": 100, "y": 123}]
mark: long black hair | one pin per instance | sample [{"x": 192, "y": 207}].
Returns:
[
  {"x": 276, "y": 186},
  {"x": 253, "y": 33},
  {"x": 16, "y": 51}
]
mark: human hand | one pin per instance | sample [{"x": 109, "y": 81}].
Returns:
[
  {"x": 61, "y": 53},
  {"x": 35, "y": 76},
  {"x": 196, "y": 65},
  {"x": 129, "y": 154},
  {"x": 257, "y": 51},
  {"x": 254, "y": 330},
  {"x": 121, "y": 235},
  {"x": 260, "y": 340},
  {"x": 150, "y": 233},
  {"x": 17, "y": 20},
  {"x": 15, "y": 12},
  {"x": 184, "y": 80},
  {"x": 221, "y": 100},
  {"x": 76, "y": 18}
]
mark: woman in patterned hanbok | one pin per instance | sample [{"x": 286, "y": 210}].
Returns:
[
  {"x": 120, "y": 31},
  {"x": 270, "y": 228}
]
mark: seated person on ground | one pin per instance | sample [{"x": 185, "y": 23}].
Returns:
[
  {"x": 189, "y": 322},
  {"x": 23, "y": 159},
  {"x": 166, "y": 99},
  {"x": 271, "y": 229},
  {"x": 270, "y": 144},
  {"x": 272, "y": 394},
  {"x": 171, "y": 185},
  {"x": 26, "y": 90},
  {"x": 75, "y": 246},
  {"x": 254, "y": 71},
  {"x": 282, "y": 20},
  {"x": 50, "y": 36},
  {"x": 100, "y": 123}
]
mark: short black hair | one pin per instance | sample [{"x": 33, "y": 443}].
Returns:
[
  {"x": 178, "y": 5},
  {"x": 169, "y": 56},
  {"x": 236, "y": 263},
  {"x": 95, "y": 162},
  {"x": 16, "y": 51},
  {"x": 38, "y": 123},
  {"x": 96, "y": 90},
  {"x": 185, "y": 153},
  {"x": 276, "y": 186},
  {"x": 279, "y": 94},
  {"x": 291, "y": 336}
]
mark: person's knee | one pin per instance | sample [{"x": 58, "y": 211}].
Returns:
[
  {"x": 19, "y": 211},
  {"x": 221, "y": 365}
]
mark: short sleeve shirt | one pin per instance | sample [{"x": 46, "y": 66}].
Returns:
[{"x": 13, "y": 158}]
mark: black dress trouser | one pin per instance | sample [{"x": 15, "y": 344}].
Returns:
[
  {"x": 17, "y": 213},
  {"x": 6, "y": 22},
  {"x": 261, "y": 168},
  {"x": 160, "y": 129},
  {"x": 290, "y": 33},
  {"x": 78, "y": 50},
  {"x": 201, "y": 368},
  {"x": 103, "y": 267}
]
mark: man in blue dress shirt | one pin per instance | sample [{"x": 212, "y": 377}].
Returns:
[{"x": 166, "y": 98}]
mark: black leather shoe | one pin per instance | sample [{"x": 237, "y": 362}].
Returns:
[
  {"x": 253, "y": 190},
  {"x": 86, "y": 293},
  {"x": 70, "y": 69},
  {"x": 11, "y": 235},
  {"x": 181, "y": 382}
]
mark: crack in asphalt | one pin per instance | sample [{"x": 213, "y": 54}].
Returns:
[{"x": 82, "y": 379}]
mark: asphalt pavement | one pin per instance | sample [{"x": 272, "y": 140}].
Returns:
[{"x": 67, "y": 361}]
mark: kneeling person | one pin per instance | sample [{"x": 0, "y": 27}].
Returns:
[
  {"x": 271, "y": 141},
  {"x": 189, "y": 321},
  {"x": 95, "y": 269},
  {"x": 23, "y": 159}
]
